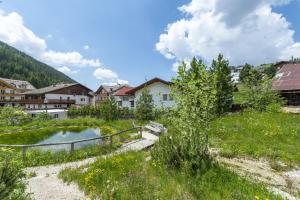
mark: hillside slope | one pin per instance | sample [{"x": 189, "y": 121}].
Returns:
[{"x": 15, "y": 64}]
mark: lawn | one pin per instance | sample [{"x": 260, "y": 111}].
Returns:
[
  {"x": 131, "y": 176},
  {"x": 240, "y": 96},
  {"x": 272, "y": 135}
]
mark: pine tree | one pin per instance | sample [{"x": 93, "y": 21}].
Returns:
[
  {"x": 145, "y": 106},
  {"x": 224, "y": 85}
]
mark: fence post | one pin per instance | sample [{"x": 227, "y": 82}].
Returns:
[
  {"x": 24, "y": 149},
  {"x": 141, "y": 131},
  {"x": 72, "y": 148}
]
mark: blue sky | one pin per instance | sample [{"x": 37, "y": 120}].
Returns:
[{"x": 122, "y": 35}]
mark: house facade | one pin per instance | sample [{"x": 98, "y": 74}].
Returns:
[
  {"x": 287, "y": 82},
  {"x": 104, "y": 92},
  {"x": 123, "y": 99},
  {"x": 60, "y": 96},
  {"x": 160, "y": 91},
  {"x": 11, "y": 91}
]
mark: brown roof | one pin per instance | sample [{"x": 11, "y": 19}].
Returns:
[
  {"x": 108, "y": 88},
  {"x": 287, "y": 78},
  {"x": 56, "y": 87},
  {"x": 154, "y": 80},
  {"x": 19, "y": 84},
  {"x": 123, "y": 91}
]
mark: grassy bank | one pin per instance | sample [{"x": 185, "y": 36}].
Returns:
[
  {"x": 78, "y": 122},
  {"x": 130, "y": 176},
  {"x": 35, "y": 132},
  {"x": 272, "y": 135}
]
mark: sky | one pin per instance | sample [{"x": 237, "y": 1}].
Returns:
[{"x": 129, "y": 41}]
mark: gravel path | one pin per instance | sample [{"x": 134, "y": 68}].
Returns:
[{"x": 46, "y": 184}]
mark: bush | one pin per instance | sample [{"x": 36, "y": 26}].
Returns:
[
  {"x": 11, "y": 176},
  {"x": 144, "y": 107},
  {"x": 10, "y": 116}
]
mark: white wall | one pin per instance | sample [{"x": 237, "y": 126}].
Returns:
[
  {"x": 157, "y": 90},
  {"x": 125, "y": 104},
  {"x": 78, "y": 98}
]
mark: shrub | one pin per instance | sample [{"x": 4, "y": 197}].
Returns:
[
  {"x": 145, "y": 107},
  {"x": 11, "y": 175},
  {"x": 109, "y": 110},
  {"x": 10, "y": 116}
]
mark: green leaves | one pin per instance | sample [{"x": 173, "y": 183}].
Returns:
[{"x": 145, "y": 106}]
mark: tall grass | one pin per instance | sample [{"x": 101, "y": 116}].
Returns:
[
  {"x": 131, "y": 176},
  {"x": 258, "y": 134}
]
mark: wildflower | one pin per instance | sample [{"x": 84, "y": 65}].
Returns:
[{"x": 256, "y": 197}]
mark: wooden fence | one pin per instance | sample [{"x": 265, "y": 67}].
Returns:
[{"x": 71, "y": 143}]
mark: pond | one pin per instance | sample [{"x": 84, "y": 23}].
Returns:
[{"x": 46, "y": 136}]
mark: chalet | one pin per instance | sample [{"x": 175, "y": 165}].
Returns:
[
  {"x": 123, "y": 99},
  {"x": 287, "y": 82},
  {"x": 11, "y": 91},
  {"x": 158, "y": 88},
  {"x": 104, "y": 92},
  {"x": 59, "y": 96}
]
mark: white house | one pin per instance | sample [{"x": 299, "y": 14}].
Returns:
[
  {"x": 159, "y": 90},
  {"x": 123, "y": 99},
  {"x": 59, "y": 96}
]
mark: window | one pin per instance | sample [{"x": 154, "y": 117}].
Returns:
[
  {"x": 40, "y": 106},
  {"x": 12, "y": 91},
  {"x": 56, "y": 116},
  {"x": 12, "y": 98},
  {"x": 82, "y": 99},
  {"x": 120, "y": 103},
  {"x": 132, "y": 104},
  {"x": 165, "y": 97},
  {"x": 2, "y": 91}
]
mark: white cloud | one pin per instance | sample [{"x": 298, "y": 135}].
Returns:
[
  {"x": 108, "y": 77},
  {"x": 244, "y": 31},
  {"x": 86, "y": 47},
  {"x": 67, "y": 70},
  {"x": 15, "y": 33}
]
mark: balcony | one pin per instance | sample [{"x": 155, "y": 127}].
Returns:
[{"x": 44, "y": 101}]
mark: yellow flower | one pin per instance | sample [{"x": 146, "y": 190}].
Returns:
[{"x": 257, "y": 197}]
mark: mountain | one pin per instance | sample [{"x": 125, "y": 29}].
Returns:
[{"x": 15, "y": 64}]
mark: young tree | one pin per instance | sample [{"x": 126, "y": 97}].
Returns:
[
  {"x": 224, "y": 85},
  {"x": 145, "y": 107},
  {"x": 245, "y": 72},
  {"x": 109, "y": 109},
  {"x": 259, "y": 91},
  {"x": 194, "y": 93}
]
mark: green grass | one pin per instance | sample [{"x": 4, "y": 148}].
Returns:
[
  {"x": 240, "y": 96},
  {"x": 272, "y": 135},
  {"x": 130, "y": 176}
]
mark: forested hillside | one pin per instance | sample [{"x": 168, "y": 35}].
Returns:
[{"x": 15, "y": 64}]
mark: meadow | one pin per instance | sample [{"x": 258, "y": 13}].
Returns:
[
  {"x": 134, "y": 175},
  {"x": 275, "y": 136}
]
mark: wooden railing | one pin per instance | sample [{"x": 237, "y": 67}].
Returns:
[{"x": 71, "y": 143}]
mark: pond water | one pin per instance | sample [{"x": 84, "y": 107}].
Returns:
[
  {"x": 67, "y": 136},
  {"x": 45, "y": 136}
]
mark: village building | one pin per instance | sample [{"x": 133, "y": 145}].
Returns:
[
  {"x": 104, "y": 92},
  {"x": 123, "y": 99},
  {"x": 287, "y": 82},
  {"x": 159, "y": 90},
  {"x": 11, "y": 91},
  {"x": 59, "y": 96}
]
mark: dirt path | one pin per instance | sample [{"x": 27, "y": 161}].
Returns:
[
  {"x": 46, "y": 184},
  {"x": 284, "y": 183}
]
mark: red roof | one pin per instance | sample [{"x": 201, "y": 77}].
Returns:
[
  {"x": 287, "y": 78},
  {"x": 123, "y": 91},
  {"x": 154, "y": 80}
]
